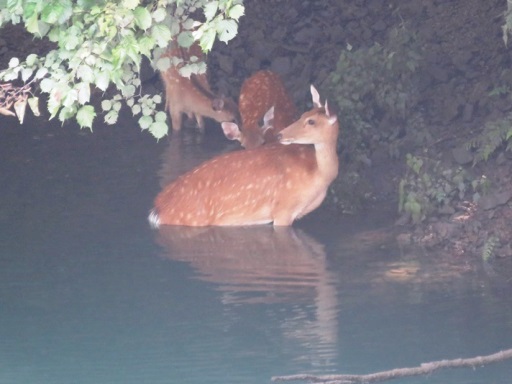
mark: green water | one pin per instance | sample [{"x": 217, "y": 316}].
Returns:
[{"x": 90, "y": 294}]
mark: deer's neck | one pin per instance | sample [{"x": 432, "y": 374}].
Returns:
[{"x": 327, "y": 161}]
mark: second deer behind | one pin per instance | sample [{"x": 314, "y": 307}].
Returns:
[
  {"x": 193, "y": 96},
  {"x": 260, "y": 92}
]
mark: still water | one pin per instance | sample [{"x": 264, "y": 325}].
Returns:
[{"x": 90, "y": 294}]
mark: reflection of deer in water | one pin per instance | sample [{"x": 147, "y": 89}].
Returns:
[{"x": 264, "y": 264}]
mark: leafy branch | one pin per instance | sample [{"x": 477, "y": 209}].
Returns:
[
  {"x": 17, "y": 97},
  {"x": 101, "y": 44}
]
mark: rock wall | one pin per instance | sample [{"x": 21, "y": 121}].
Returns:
[{"x": 463, "y": 52}]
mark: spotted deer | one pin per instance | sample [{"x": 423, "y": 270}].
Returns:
[
  {"x": 193, "y": 96},
  {"x": 275, "y": 183},
  {"x": 263, "y": 90}
]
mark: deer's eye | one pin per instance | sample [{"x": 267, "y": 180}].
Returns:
[{"x": 311, "y": 122}]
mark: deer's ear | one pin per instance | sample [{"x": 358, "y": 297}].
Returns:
[
  {"x": 268, "y": 120},
  {"x": 231, "y": 130},
  {"x": 218, "y": 104},
  {"x": 316, "y": 97},
  {"x": 330, "y": 113},
  {"x": 269, "y": 116}
]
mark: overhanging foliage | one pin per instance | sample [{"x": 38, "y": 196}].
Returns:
[{"x": 102, "y": 43}]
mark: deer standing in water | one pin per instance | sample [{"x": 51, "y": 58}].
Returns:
[
  {"x": 260, "y": 92},
  {"x": 193, "y": 96},
  {"x": 274, "y": 183}
]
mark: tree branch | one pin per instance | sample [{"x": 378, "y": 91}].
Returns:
[{"x": 423, "y": 369}]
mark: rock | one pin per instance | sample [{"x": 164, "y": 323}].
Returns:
[
  {"x": 279, "y": 34},
  {"x": 446, "y": 210},
  {"x": 495, "y": 199},
  {"x": 226, "y": 63},
  {"x": 306, "y": 35},
  {"x": 501, "y": 159},
  {"x": 379, "y": 26},
  {"x": 467, "y": 113},
  {"x": 404, "y": 239},
  {"x": 461, "y": 155},
  {"x": 444, "y": 230},
  {"x": 281, "y": 65},
  {"x": 252, "y": 64},
  {"x": 438, "y": 73},
  {"x": 449, "y": 110},
  {"x": 461, "y": 59},
  {"x": 505, "y": 251}
]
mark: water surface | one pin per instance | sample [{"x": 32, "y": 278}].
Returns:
[{"x": 90, "y": 294}]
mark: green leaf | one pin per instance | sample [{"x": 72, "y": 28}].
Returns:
[
  {"x": 159, "y": 129},
  {"x": 85, "y": 73},
  {"x": 71, "y": 41},
  {"x": 84, "y": 92},
  {"x": 31, "y": 59},
  {"x": 187, "y": 70},
  {"x": 128, "y": 91},
  {"x": 142, "y": 18},
  {"x": 102, "y": 80},
  {"x": 33, "y": 103},
  {"x": 130, "y": 4},
  {"x": 67, "y": 113},
  {"x": 47, "y": 85},
  {"x": 146, "y": 45},
  {"x": 26, "y": 73},
  {"x": 111, "y": 117},
  {"x": 85, "y": 116},
  {"x": 162, "y": 34},
  {"x": 207, "y": 40},
  {"x": 145, "y": 122},
  {"x": 163, "y": 64},
  {"x": 190, "y": 24},
  {"x": 161, "y": 116},
  {"x": 236, "y": 11},
  {"x": 70, "y": 98},
  {"x": 227, "y": 29},
  {"x": 210, "y": 9},
  {"x": 57, "y": 11},
  {"x": 29, "y": 10},
  {"x": 159, "y": 15},
  {"x": 106, "y": 105},
  {"x": 185, "y": 39},
  {"x": 14, "y": 62},
  {"x": 136, "y": 109},
  {"x": 87, "y": 4},
  {"x": 157, "y": 99},
  {"x": 32, "y": 25}
]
